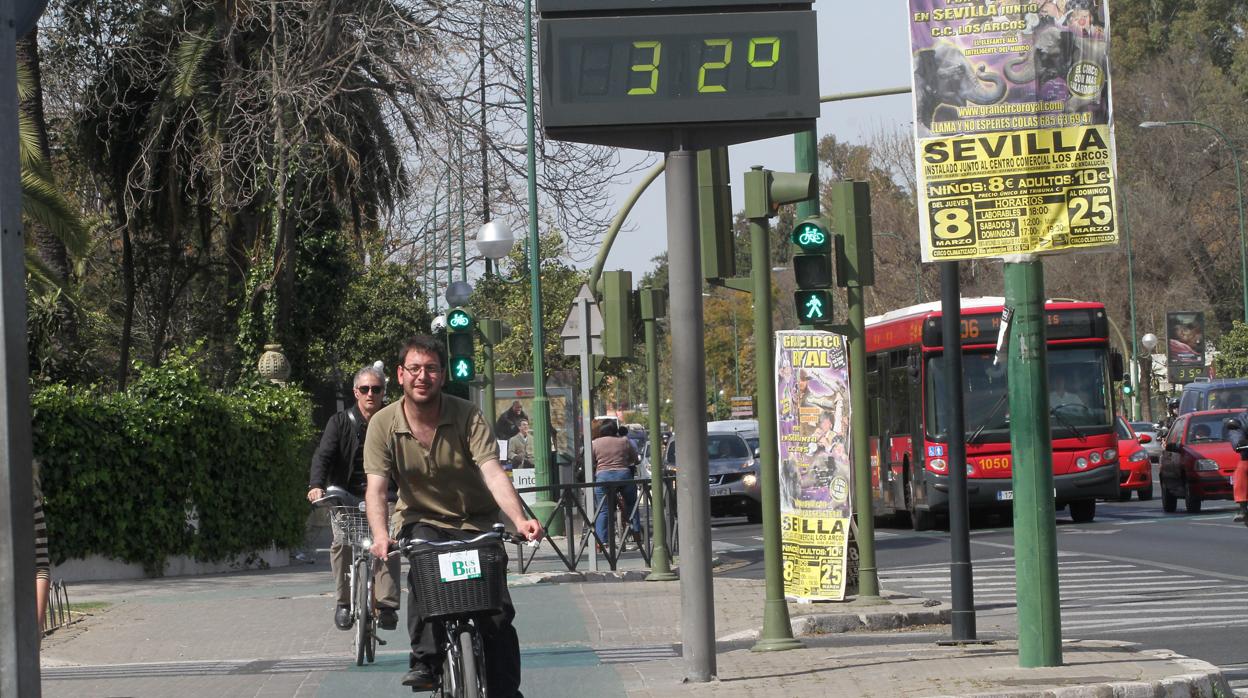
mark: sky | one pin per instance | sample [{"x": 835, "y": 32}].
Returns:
[{"x": 863, "y": 45}]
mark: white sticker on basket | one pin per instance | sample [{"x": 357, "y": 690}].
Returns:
[{"x": 465, "y": 564}]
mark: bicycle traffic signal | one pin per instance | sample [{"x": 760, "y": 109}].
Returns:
[
  {"x": 812, "y": 270},
  {"x": 1126, "y": 388},
  {"x": 459, "y": 326}
]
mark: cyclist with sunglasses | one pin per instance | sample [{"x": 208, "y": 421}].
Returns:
[{"x": 339, "y": 460}]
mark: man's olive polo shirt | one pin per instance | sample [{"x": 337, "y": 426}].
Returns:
[{"x": 442, "y": 486}]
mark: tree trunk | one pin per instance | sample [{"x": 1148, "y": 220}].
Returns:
[
  {"x": 48, "y": 247},
  {"x": 127, "y": 282}
]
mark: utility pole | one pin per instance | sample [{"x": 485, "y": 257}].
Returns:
[
  {"x": 19, "y": 626},
  {"x": 1035, "y": 531},
  {"x": 961, "y": 579}
]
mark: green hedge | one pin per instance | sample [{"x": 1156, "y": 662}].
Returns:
[{"x": 171, "y": 467}]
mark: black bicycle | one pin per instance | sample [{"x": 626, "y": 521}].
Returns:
[
  {"x": 350, "y": 524},
  {"x": 459, "y": 582}
]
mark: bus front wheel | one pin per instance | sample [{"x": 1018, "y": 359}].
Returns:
[{"x": 1083, "y": 511}]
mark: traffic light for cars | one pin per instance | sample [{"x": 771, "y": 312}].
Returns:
[
  {"x": 767, "y": 191},
  {"x": 460, "y": 345},
  {"x": 812, "y": 270}
]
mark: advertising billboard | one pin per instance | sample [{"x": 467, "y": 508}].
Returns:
[
  {"x": 1014, "y": 144},
  {"x": 1185, "y": 346}
]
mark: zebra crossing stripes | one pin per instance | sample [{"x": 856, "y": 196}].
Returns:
[
  {"x": 1100, "y": 597},
  {"x": 631, "y": 655}
]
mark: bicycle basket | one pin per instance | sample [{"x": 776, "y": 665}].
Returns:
[
  {"x": 350, "y": 526},
  {"x": 462, "y": 580}
]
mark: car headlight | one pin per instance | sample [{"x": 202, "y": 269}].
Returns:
[
  {"x": 1110, "y": 454},
  {"x": 748, "y": 465},
  {"x": 1206, "y": 464},
  {"x": 1081, "y": 463},
  {"x": 750, "y": 480},
  {"x": 938, "y": 464},
  {"x": 1138, "y": 456},
  {"x": 1095, "y": 457}
]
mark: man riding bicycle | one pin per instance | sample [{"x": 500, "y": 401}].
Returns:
[
  {"x": 444, "y": 457},
  {"x": 339, "y": 460}
]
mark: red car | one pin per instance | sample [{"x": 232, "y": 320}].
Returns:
[
  {"x": 1135, "y": 472},
  {"x": 1197, "y": 463}
]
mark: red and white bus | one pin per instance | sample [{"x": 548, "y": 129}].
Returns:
[{"x": 909, "y": 411}]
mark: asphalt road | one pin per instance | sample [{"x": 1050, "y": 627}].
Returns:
[{"x": 1173, "y": 581}]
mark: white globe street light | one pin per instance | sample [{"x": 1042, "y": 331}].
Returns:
[
  {"x": 1149, "y": 341},
  {"x": 495, "y": 240}
]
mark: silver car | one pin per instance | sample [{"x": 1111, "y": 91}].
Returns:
[
  {"x": 734, "y": 486},
  {"x": 1151, "y": 444}
]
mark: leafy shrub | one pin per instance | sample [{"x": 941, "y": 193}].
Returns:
[{"x": 172, "y": 467}]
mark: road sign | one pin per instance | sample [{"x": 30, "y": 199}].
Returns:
[{"x": 571, "y": 332}]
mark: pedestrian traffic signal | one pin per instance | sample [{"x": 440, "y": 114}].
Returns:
[
  {"x": 1126, "y": 388},
  {"x": 814, "y": 306},
  {"x": 812, "y": 270},
  {"x": 459, "y": 339}
]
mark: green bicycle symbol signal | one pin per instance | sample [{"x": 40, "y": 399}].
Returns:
[
  {"x": 458, "y": 320},
  {"x": 811, "y": 235}
]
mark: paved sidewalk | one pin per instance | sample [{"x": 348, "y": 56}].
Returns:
[{"x": 271, "y": 634}]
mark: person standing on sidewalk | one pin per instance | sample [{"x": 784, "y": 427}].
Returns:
[
  {"x": 339, "y": 460},
  {"x": 444, "y": 457},
  {"x": 615, "y": 459},
  {"x": 1233, "y": 430}
]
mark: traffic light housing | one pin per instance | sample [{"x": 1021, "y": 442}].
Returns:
[
  {"x": 715, "y": 215},
  {"x": 617, "y": 314},
  {"x": 460, "y": 345},
  {"x": 812, "y": 270},
  {"x": 855, "y": 256},
  {"x": 1126, "y": 388},
  {"x": 767, "y": 191}
]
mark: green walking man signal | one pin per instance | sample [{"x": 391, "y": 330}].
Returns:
[
  {"x": 812, "y": 269},
  {"x": 459, "y": 339}
]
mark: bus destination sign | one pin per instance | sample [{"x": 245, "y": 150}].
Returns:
[{"x": 1058, "y": 324}]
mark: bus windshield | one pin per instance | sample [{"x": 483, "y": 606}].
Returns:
[{"x": 1078, "y": 395}]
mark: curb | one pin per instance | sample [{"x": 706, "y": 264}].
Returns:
[
  {"x": 534, "y": 578},
  {"x": 1202, "y": 680},
  {"x": 814, "y": 624}
]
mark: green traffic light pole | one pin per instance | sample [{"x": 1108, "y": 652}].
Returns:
[
  {"x": 1239, "y": 189},
  {"x": 652, "y": 305},
  {"x": 806, "y": 160},
  {"x": 1035, "y": 531},
  {"x": 541, "y": 404},
  {"x": 777, "y": 631}
]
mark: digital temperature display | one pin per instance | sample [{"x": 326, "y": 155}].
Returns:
[{"x": 662, "y": 72}]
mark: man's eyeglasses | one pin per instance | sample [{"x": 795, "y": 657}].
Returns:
[
  {"x": 366, "y": 389},
  {"x": 429, "y": 369}
]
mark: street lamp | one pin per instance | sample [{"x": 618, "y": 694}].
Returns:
[
  {"x": 541, "y": 404},
  {"x": 1146, "y": 368},
  {"x": 1239, "y": 189}
]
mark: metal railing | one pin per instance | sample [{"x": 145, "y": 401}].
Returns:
[{"x": 578, "y": 524}]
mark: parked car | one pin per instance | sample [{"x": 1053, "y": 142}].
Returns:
[
  {"x": 1135, "y": 471},
  {"x": 1224, "y": 393},
  {"x": 1198, "y": 462},
  {"x": 1149, "y": 435},
  {"x": 734, "y": 485}
]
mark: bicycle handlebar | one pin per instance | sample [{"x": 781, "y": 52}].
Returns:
[{"x": 407, "y": 545}]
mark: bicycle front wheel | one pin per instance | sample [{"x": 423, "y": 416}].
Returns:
[
  {"x": 471, "y": 665},
  {"x": 362, "y": 616}
]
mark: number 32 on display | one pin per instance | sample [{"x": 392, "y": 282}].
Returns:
[{"x": 763, "y": 52}]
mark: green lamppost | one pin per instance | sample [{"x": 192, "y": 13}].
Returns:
[
  {"x": 1239, "y": 189},
  {"x": 541, "y": 405}
]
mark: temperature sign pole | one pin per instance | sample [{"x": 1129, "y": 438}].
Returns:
[{"x": 677, "y": 76}]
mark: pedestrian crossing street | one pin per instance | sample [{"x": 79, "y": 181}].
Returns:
[{"x": 1102, "y": 598}]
